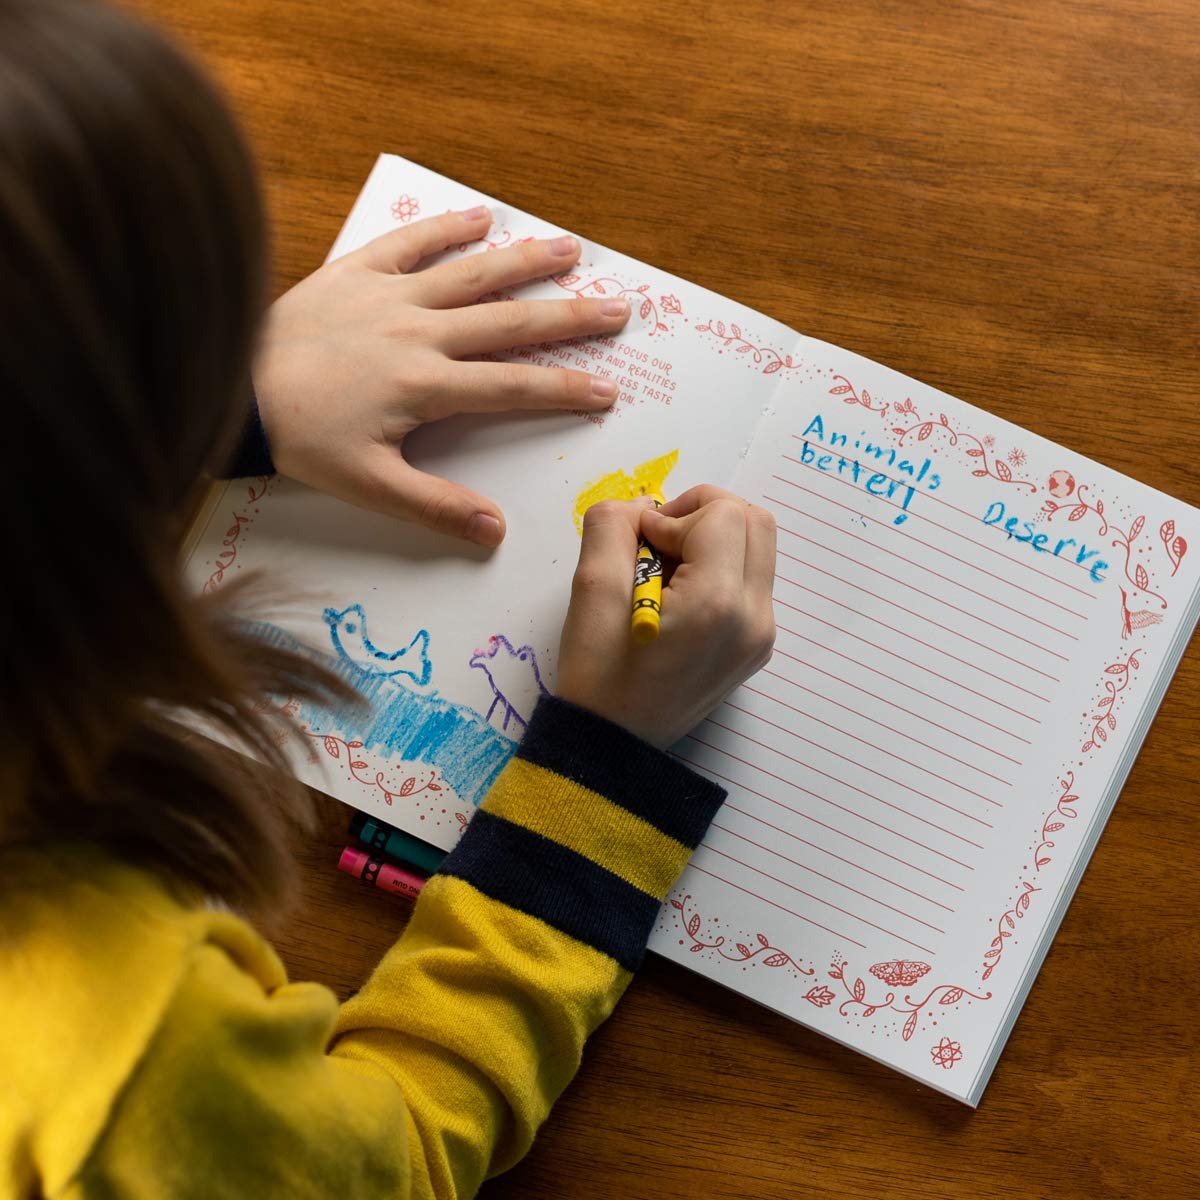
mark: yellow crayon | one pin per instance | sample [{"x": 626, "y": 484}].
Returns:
[{"x": 647, "y": 588}]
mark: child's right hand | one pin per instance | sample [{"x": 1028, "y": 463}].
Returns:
[{"x": 718, "y": 624}]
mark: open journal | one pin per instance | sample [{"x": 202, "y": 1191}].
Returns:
[{"x": 976, "y": 627}]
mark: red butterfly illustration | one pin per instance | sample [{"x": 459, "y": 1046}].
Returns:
[
  {"x": 900, "y": 973},
  {"x": 1135, "y": 620}
]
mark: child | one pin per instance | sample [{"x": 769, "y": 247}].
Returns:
[{"x": 150, "y": 1044}]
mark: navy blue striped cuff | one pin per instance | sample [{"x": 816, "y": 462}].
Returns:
[
  {"x": 602, "y": 756},
  {"x": 542, "y": 879}
]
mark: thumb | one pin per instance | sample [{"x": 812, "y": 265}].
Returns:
[{"x": 400, "y": 490}]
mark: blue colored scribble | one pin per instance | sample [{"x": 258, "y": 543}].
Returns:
[
  {"x": 514, "y": 678},
  {"x": 348, "y": 629},
  {"x": 396, "y": 719}
]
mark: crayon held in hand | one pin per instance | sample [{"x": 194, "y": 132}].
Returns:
[
  {"x": 647, "y": 589},
  {"x": 382, "y": 874}
]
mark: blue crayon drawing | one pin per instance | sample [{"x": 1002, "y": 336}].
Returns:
[
  {"x": 348, "y": 629},
  {"x": 396, "y": 718},
  {"x": 514, "y": 677}
]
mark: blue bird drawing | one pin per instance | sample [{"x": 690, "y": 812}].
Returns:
[{"x": 348, "y": 630}]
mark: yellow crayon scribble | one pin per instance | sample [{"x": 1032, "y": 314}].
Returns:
[{"x": 619, "y": 485}]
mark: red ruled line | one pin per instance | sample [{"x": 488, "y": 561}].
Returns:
[
  {"x": 808, "y": 895},
  {"x": 900, "y": 733},
  {"x": 863, "y": 741},
  {"x": 966, "y": 662},
  {"x": 821, "y": 849},
  {"x": 946, "y": 529},
  {"x": 912, "y": 562},
  {"x": 799, "y": 812},
  {"x": 906, "y": 686},
  {"x": 821, "y": 875},
  {"x": 798, "y": 916},
  {"x": 853, "y": 787},
  {"x": 928, "y": 545},
  {"x": 925, "y": 669},
  {"x": 870, "y": 771},
  {"x": 908, "y": 587},
  {"x": 928, "y": 620}
]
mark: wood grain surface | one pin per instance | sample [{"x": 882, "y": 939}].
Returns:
[{"x": 1001, "y": 199}]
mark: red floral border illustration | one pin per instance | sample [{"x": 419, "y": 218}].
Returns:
[
  {"x": 241, "y": 517},
  {"x": 856, "y": 1001},
  {"x": 1107, "y": 703},
  {"x": 775, "y": 957},
  {"x": 639, "y": 297},
  {"x": 1080, "y": 506},
  {"x": 857, "y": 997},
  {"x": 733, "y": 337},
  {"x": 355, "y": 763},
  {"x": 988, "y": 463},
  {"x": 845, "y": 389}
]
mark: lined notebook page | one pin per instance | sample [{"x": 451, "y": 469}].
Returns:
[
  {"x": 911, "y": 799},
  {"x": 957, "y": 620}
]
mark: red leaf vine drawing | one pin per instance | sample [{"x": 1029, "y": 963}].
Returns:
[
  {"x": 1104, "y": 721},
  {"x": 1056, "y": 819},
  {"x": 360, "y": 770},
  {"x": 905, "y": 408},
  {"x": 1079, "y": 508},
  {"x": 766, "y": 357},
  {"x": 845, "y": 389},
  {"x": 1175, "y": 546},
  {"x": 639, "y": 297},
  {"x": 857, "y": 997},
  {"x": 241, "y": 517},
  {"x": 670, "y": 304},
  {"x": 989, "y": 464},
  {"x": 1006, "y": 925},
  {"x": 762, "y": 952}
]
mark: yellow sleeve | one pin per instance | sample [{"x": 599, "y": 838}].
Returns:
[{"x": 439, "y": 1071}]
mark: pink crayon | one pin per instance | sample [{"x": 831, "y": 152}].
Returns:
[{"x": 382, "y": 874}]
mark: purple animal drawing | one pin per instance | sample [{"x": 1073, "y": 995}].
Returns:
[{"x": 514, "y": 678}]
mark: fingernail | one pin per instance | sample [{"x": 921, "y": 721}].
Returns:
[
  {"x": 563, "y": 245},
  {"x": 474, "y": 214},
  {"x": 615, "y": 308},
  {"x": 603, "y": 389},
  {"x": 484, "y": 530}
]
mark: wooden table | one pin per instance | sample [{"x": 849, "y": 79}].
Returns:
[{"x": 1000, "y": 199}]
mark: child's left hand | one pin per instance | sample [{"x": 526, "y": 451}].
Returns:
[{"x": 366, "y": 349}]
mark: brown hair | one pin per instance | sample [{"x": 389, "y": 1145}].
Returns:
[{"x": 132, "y": 255}]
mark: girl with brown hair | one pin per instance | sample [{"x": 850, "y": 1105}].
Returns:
[{"x": 150, "y": 1042}]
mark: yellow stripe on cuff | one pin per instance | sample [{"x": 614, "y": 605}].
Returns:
[{"x": 588, "y": 823}]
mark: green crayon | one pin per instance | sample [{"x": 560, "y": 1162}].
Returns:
[{"x": 395, "y": 843}]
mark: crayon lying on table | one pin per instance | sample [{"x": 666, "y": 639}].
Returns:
[
  {"x": 395, "y": 843},
  {"x": 382, "y": 874}
]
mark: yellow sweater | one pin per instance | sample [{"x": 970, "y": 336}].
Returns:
[{"x": 152, "y": 1049}]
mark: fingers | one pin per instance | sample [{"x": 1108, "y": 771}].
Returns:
[
  {"x": 399, "y": 251},
  {"x": 508, "y": 323},
  {"x": 712, "y": 539},
  {"x": 499, "y": 387},
  {"x": 459, "y": 283},
  {"x": 400, "y": 490},
  {"x": 602, "y": 590},
  {"x": 760, "y": 555},
  {"x": 694, "y": 498}
]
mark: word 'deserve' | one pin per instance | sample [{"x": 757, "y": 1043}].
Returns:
[
  {"x": 875, "y": 481},
  {"x": 1024, "y": 531}
]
